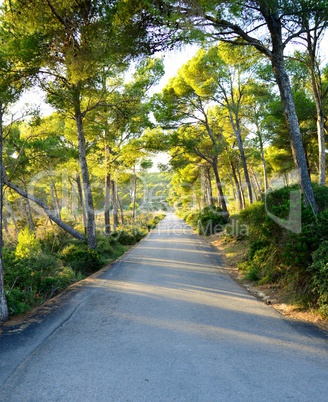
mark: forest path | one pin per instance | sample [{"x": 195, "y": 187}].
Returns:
[{"x": 164, "y": 323}]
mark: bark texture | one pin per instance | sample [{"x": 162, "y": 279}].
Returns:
[
  {"x": 91, "y": 224},
  {"x": 3, "y": 302}
]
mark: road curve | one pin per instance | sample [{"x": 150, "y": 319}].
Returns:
[{"x": 164, "y": 323}]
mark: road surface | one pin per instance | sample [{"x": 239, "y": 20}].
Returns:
[{"x": 165, "y": 323}]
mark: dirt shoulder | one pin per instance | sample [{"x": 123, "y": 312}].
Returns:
[{"x": 234, "y": 252}]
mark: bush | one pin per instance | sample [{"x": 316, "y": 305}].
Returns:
[
  {"x": 211, "y": 220},
  {"x": 81, "y": 259},
  {"x": 30, "y": 281},
  {"x": 52, "y": 241},
  {"x": 124, "y": 237},
  {"x": 319, "y": 273},
  {"x": 208, "y": 221},
  {"x": 298, "y": 261},
  {"x": 28, "y": 245}
]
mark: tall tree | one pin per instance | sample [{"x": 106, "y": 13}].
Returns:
[
  {"x": 268, "y": 26},
  {"x": 80, "y": 42},
  {"x": 184, "y": 102}
]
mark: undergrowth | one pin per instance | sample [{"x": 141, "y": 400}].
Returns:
[
  {"x": 39, "y": 267},
  {"x": 296, "y": 260}
]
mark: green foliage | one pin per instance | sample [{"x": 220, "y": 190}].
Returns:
[
  {"x": 152, "y": 223},
  {"x": 211, "y": 220},
  {"x": 298, "y": 261},
  {"x": 208, "y": 221},
  {"x": 319, "y": 273},
  {"x": 81, "y": 258},
  {"x": 27, "y": 244},
  {"x": 54, "y": 240},
  {"x": 31, "y": 280}
]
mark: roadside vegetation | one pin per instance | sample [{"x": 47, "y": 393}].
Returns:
[
  {"x": 294, "y": 262},
  {"x": 41, "y": 266}
]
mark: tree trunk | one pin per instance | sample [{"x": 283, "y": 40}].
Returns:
[
  {"x": 316, "y": 84},
  {"x": 219, "y": 188},
  {"x": 91, "y": 224},
  {"x": 322, "y": 147},
  {"x": 3, "y": 302},
  {"x": 107, "y": 204},
  {"x": 29, "y": 217},
  {"x": 235, "y": 123},
  {"x": 121, "y": 208},
  {"x": 264, "y": 166},
  {"x": 11, "y": 212},
  {"x": 283, "y": 82},
  {"x": 134, "y": 199},
  {"x": 45, "y": 208},
  {"x": 80, "y": 192},
  {"x": 209, "y": 190},
  {"x": 54, "y": 196},
  {"x": 115, "y": 206},
  {"x": 241, "y": 187},
  {"x": 238, "y": 190}
]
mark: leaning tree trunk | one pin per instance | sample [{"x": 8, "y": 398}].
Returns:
[
  {"x": 49, "y": 211},
  {"x": 283, "y": 82},
  {"x": 294, "y": 129},
  {"x": 91, "y": 224},
  {"x": 121, "y": 208},
  {"x": 3, "y": 303}
]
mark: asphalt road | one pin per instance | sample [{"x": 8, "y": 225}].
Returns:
[{"x": 165, "y": 323}]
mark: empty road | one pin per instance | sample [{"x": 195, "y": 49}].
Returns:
[{"x": 164, "y": 323}]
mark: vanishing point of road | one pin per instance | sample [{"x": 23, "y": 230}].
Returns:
[{"x": 164, "y": 323}]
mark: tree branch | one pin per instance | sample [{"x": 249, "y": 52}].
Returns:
[{"x": 45, "y": 208}]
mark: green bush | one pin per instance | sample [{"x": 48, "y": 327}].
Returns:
[
  {"x": 81, "y": 259},
  {"x": 52, "y": 241},
  {"x": 191, "y": 218},
  {"x": 18, "y": 301},
  {"x": 30, "y": 281},
  {"x": 211, "y": 220},
  {"x": 298, "y": 261},
  {"x": 321, "y": 196},
  {"x": 124, "y": 237},
  {"x": 27, "y": 244},
  {"x": 208, "y": 221},
  {"x": 319, "y": 273}
]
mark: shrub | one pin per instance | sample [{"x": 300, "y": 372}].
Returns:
[
  {"x": 28, "y": 245},
  {"x": 124, "y": 237},
  {"x": 81, "y": 259},
  {"x": 18, "y": 300},
  {"x": 255, "y": 218},
  {"x": 298, "y": 261},
  {"x": 32, "y": 280},
  {"x": 319, "y": 273},
  {"x": 52, "y": 241},
  {"x": 208, "y": 221},
  {"x": 211, "y": 220}
]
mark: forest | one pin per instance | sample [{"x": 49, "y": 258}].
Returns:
[{"x": 243, "y": 121}]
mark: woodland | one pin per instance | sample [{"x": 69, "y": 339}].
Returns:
[{"x": 244, "y": 122}]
